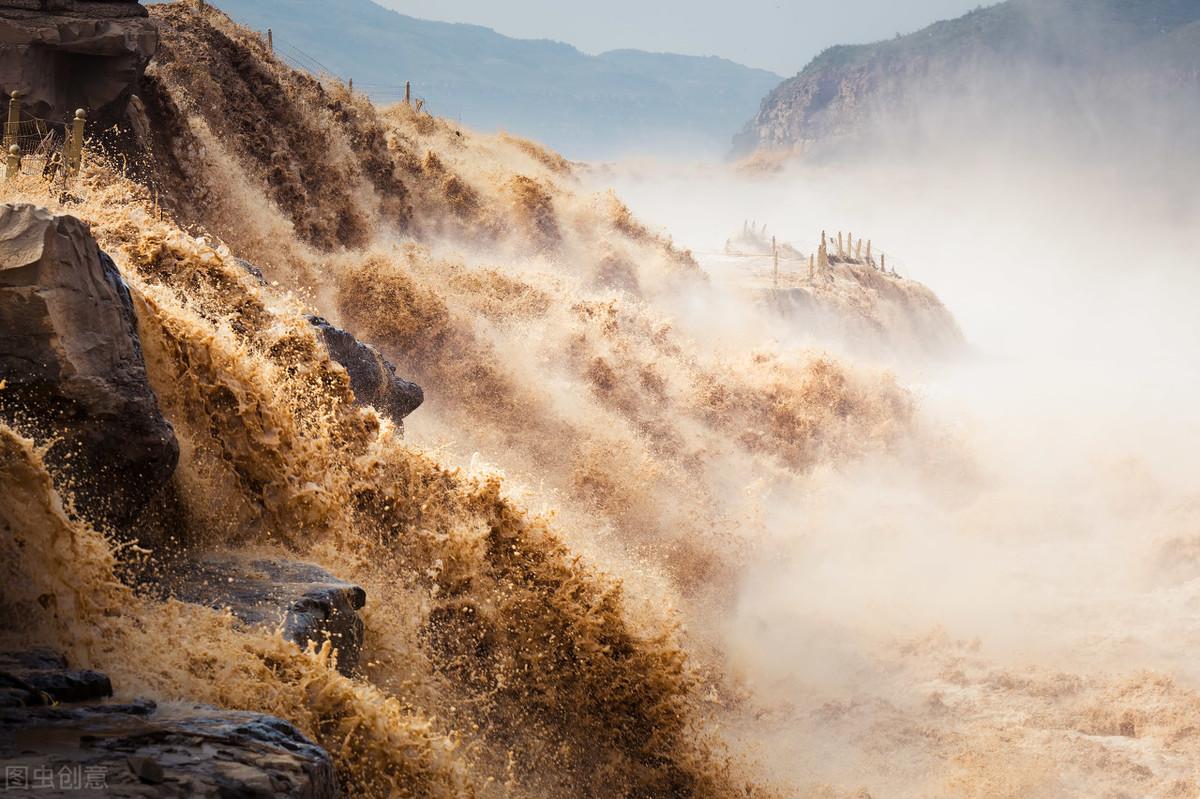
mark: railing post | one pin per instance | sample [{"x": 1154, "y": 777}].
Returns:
[
  {"x": 12, "y": 166},
  {"x": 13, "y": 128},
  {"x": 408, "y": 92},
  {"x": 270, "y": 40},
  {"x": 775, "y": 271},
  {"x": 75, "y": 143}
]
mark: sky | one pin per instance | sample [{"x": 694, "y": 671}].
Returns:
[{"x": 779, "y": 35}]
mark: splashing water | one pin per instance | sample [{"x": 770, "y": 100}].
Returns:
[{"x": 634, "y": 529}]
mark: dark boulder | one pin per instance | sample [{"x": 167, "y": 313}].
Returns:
[
  {"x": 41, "y": 677},
  {"x": 65, "y": 744},
  {"x": 372, "y": 378},
  {"x": 68, "y": 54},
  {"x": 251, "y": 270},
  {"x": 306, "y": 602},
  {"x": 146, "y": 750},
  {"x": 71, "y": 365}
]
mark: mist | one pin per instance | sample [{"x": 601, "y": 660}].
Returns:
[
  {"x": 993, "y": 583},
  {"x": 670, "y": 521}
]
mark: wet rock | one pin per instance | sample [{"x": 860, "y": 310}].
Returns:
[
  {"x": 140, "y": 749},
  {"x": 41, "y": 677},
  {"x": 251, "y": 270},
  {"x": 372, "y": 378},
  {"x": 71, "y": 365},
  {"x": 306, "y": 602},
  {"x": 875, "y": 313},
  {"x": 144, "y": 750},
  {"x": 146, "y": 769},
  {"x": 68, "y": 54}
]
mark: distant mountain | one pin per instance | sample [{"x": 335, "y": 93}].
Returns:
[
  {"x": 1099, "y": 73},
  {"x": 585, "y": 106}
]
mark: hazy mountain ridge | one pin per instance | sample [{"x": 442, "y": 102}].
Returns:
[
  {"x": 1086, "y": 64},
  {"x": 587, "y": 106}
]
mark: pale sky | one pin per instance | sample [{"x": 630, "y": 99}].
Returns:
[{"x": 780, "y": 35}]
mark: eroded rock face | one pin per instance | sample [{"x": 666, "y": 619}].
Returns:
[
  {"x": 71, "y": 365},
  {"x": 1001, "y": 70},
  {"x": 40, "y": 677},
  {"x": 62, "y": 742},
  {"x": 307, "y": 602},
  {"x": 68, "y": 54},
  {"x": 372, "y": 378},
  {"x": 145, "y": 750},
  {"x": 874, "y": 313}
]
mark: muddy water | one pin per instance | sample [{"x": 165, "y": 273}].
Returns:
[{"x": 637, "y": 529}]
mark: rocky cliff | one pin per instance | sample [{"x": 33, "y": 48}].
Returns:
[
  {"x": 1023, "y": 70},
  {"x": 67, "y": 54},
  {"x": 496, "y": 655}
]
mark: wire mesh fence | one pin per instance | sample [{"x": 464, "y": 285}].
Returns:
[
  {"x": 32, "y": 135},
  {"x": 42, "y": 148}
]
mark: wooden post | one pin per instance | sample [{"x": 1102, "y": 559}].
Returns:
[
  {"x": 840, "y": 250},
  {"x": 858, "y": 251},
  {"x": 775, "y": 255},
  {"x": 75, "y": 143},
  {"x": 408, "y": 92},
  {"x": 883, "y": 262},
  {"x": 13, "y": 128},
  {"x": 351, "y": 84},
  {"x": 270, "y": 40},
  {"x": 869, "y": 261},
  {"x": 811, "y": 266},
  {"x": 12, "y": 166}
]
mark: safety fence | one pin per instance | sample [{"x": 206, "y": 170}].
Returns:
[
  {"x": 296, "y": 58},
  {"x": 32, "y": 135},
  {"x": 292, "y": 55},
  {"x": 35, "y": 144},
  {"x": 849, "y": 251}
]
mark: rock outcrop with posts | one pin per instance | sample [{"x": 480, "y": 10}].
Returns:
[{"x": 62, "y": 55}]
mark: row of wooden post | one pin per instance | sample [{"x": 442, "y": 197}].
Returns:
[
  {"x": 850, "y": 251},
  {"x": 350, "y": 82},
  {"x": 73, "y": 152},
  {"x": 820, "y": 259}
]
